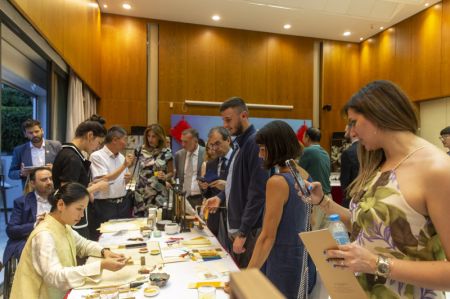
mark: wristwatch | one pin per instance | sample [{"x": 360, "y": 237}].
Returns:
[
  {"x": 383, "y": 266},
  {"x": 102, "y": 252},
  {"x": 241, "y": 234}
]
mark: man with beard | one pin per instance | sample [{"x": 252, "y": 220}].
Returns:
[
  {"x": 244, "y": 192},
  {"x": 28, "y": 211},
  {"x": 37, "y": 152}
]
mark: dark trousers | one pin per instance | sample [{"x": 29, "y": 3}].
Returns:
[
  {"x": 243, "y": 259},
  {"x": 106, "y": 209},
  {"x": 195, "y": 200},
  {"x": 217, "y": 224}
]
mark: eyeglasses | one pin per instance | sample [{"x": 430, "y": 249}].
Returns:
[
  {"x": 215, "y": 144},
  {"x": 351, "y": 123},
  {"x": 443, "y": 137}
]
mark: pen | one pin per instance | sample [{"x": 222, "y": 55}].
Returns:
[{"x": 136, "y": 245}]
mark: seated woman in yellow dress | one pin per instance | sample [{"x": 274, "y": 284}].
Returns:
[{"x": 48, "y": 264}]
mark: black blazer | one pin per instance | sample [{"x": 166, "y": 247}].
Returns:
[
  {"x": 213, "y": 167},
  {"x": 349, "y": 166}
]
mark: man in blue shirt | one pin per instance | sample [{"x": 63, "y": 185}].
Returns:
[{"x": 244, "y": 192}]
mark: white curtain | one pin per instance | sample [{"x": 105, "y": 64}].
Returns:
[
  {"x": 81, "y": 104},
  {"x": 90, "y": 102}
]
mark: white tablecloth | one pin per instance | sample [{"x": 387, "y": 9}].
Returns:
[{"x": 181, "y": 273}]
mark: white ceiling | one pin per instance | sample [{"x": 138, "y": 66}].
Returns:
[{"x": 326, "y": 19}]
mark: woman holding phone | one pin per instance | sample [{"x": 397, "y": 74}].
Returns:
[{"x": 278, "y": 251}]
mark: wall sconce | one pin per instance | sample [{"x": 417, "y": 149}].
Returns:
[{"x": 249, "y": 105}]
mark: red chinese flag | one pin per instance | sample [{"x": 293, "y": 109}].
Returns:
[
  {"x": 179, "y": 128},
  {"x": 301, "y": 132}
]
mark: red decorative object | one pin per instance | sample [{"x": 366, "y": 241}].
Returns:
[
  {"x": 179, "y": 128},
  {"x": 301, "y": 132}
]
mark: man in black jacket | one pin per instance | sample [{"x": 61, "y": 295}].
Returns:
[
  {"x": 214, "y": 181},
  {"x": 349, "y": 165},
  {"x": 244, "y": 192}
]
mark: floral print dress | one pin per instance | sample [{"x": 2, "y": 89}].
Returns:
[
  {"x": 386, "y": 224},
  {"x": 150, "y": 191}
]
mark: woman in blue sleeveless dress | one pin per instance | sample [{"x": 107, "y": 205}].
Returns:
[{"x": 278, "y": 251}]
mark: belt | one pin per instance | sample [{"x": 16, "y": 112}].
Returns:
[
  {"x": 195, "y": 196},
  {"x": 113, "y": 200}
]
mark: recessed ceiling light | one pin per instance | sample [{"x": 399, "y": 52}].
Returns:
[
  {"x": 427, "y": 4},
  {"x": 126, "y": 6},
  {"x": 381, "y": 28},
  {"x": 105, "y": 6},
  {"x": 361, "y": 38},
  {"x": 215, "y": 17},
  {"x": 347, "y": 33},
  {"x": 287, "y": 26}
]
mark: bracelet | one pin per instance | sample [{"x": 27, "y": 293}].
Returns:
[
  {"x": 321, "y": 200},
  {"x": 102, "y": 252}
]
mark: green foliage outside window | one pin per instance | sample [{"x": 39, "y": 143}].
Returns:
[{"x": 16, "y": 107}]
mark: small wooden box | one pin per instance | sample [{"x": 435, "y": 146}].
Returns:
[{"x": 251, "y": 284}]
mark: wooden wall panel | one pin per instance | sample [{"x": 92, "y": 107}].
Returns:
[
  {"x": 410, "y": 54},
  {"x": 73, "y": 30},
  {"x": 426, "y": 51},
  {"x": 445, "y": 61},
  {"x": 212, "y": 64},
  {"x": 124, "y": 71},
  {"x": 403, "y": 56},
  {"x": 340, "y": 80}
]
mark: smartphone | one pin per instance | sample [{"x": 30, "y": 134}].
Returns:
[{"x": 298, "y": 178}]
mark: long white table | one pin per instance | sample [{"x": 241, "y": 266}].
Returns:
[{"x": 181, "y": 273}]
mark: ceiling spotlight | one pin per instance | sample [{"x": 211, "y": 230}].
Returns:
[
  {"x": 361, "y": 38},
  {"x": 347, "y": 33},
  {"x": 126, "y": 6},
  {"x": 287, "y": 26},
  {"x": 105, "y": 6},
  {"x": 381, "y": 28},
  {"x": 215, "y": 17},
  {"x": 427, "y": 4}
]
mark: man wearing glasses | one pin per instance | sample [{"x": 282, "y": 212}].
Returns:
[{"x": 445, "y": 138}]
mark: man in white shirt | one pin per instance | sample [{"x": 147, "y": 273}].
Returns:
[
  {"x": 38, "y": 152},
  {"x": 188, "y": 162},
  {"x": 108, "y": 163},
  {"x": 28, "y": 210}
]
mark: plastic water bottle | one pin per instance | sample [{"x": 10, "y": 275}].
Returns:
[{"x": 337, "y": 229}]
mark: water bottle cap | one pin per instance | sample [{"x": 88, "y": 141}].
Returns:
[{"x": 334, "y": 217}]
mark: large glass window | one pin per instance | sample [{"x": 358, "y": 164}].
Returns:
[
  {"x": 24, "y": 85},
  {"x": 16, "y": 107}
]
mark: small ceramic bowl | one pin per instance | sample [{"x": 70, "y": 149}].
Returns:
[
  {"x": 161, "y": 224},
  {"x": 159, "y": 279},
  {"x": 171, "y": 228},
  {"x": 151, "y": 291}
]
